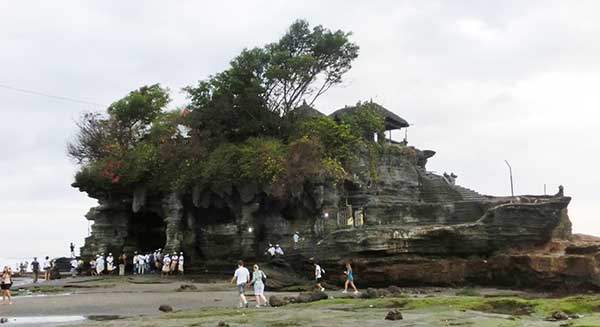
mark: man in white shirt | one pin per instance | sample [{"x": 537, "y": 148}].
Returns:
[
  {"x": 318, "y": 276},
  {"x": 47, "y": 265},
  {"x": 141, "y": 264},
  {"x": 73, "y": 267},
  {"x": 278, "y": 250},
  {"x": 136, "y": 262},
  {"x": 296, "y": 238},
  {"x": 241, "y": 277},
  {"x": 271, "y": 250}
]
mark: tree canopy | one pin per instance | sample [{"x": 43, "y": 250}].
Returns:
[{"x": 237, "y": 127}]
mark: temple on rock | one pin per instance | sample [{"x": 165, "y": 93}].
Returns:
[{"x": 396, "y": 221}]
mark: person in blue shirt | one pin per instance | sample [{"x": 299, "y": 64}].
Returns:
[{"x": 349, "y": 279}]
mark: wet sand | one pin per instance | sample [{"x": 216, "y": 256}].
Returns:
[
  {"x": 136, "y": 301},
  {"x": 125, "y": 296}
]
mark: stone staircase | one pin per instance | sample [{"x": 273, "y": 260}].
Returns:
[
  {"x": 468, "y": 194},
  {"x": 434, "y": 188}
]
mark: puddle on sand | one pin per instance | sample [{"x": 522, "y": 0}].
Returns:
[{"x": 42, "y": 320}]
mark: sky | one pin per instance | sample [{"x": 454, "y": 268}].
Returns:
[{"x": 480, "y": 82}]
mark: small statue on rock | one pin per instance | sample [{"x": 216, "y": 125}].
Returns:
[{"x": 561, "y": 191}]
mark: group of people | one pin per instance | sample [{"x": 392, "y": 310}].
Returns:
[
  {"x": 243, "y": 279},
  {"x": 273, "y": 251},
  {"x": 349, "y": 274},
  {"x": 141, "y": 263}
]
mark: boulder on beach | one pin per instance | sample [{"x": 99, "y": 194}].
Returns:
[
  {"x": 394, "y": 315},
  {"x": 187, "y": 288},
  {"x": 276, "y": 301},
  {"x": 165, "y": 308}
]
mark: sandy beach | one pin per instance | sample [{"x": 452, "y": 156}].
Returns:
[{"x": 134, "y": 301}]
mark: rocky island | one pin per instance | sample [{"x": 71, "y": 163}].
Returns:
[{"x": 249, "y": 162}]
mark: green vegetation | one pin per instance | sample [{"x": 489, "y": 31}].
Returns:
[{"x": 242, "y": 126}]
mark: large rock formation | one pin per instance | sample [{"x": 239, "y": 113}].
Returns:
[{"x": 397, "y": 223}]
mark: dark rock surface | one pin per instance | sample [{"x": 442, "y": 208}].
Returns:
[
  {"x": 165, "y": 308},
  {"x": 276, "y": 301},
  {"x": 395, "y": 221},
  {"x": 394, "y": 315}
]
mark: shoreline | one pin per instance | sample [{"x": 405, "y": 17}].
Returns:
[{"x": 134, "y": 301}]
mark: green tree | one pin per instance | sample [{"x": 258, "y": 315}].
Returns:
[
  {"x": 262, "y": 85},
  {"x": 304, "y": 64}
]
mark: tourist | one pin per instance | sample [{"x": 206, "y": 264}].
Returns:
[
  {"x": 278, "y": 250},
  {"x": 100, "y": 264},
  {"x": 93, "y": 266},
  {"x": 110, "y": 264},
  {"x": 72, "y": 247},
  {"x": 258, "y": 280},
  {"x": 180, "y": 264},
  {"x": 241, "y": 277},
  {"x": 80, "y": 266},
  {"x": 147, "y": 262},
  {"x": 6, "y": 284},
  {"x": 122, "y": 264},
  {"x": 159, "y": 260},
  {"x": 136, "y": 262},
  {"x": 73, "y": 267},
  {"x": 166, "y": 264},
  {"x": 151, "y": 262},
  {"x": 141, "y": 264},
  {"x": 271, "y": 250},
  {"x": 318, "y": 276},
  {"x": 35, "y": 269},
  {"x": 349, "y": 279},
  {"x": 174, "y": 259},
  {"x": 47, "y": 266},
  {"x": 296, "y": 239}
]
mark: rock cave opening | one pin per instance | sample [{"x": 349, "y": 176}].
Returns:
[{"x": 147, "y": 231}]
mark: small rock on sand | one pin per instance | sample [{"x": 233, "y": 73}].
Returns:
[
  {"x": 3, "y": 320},
  {"x": 394, "y": 315},
  {"x": 276, "y": 301},
  {"x": 165, "y": 308}
]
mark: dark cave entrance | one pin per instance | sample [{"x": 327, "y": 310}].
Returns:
[{"x": 147, "y": 232}]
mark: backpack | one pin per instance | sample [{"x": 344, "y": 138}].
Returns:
[{"x": 263, "y": 277}]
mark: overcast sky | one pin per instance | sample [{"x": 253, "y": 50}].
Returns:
[{"x": 480, "y": 82}]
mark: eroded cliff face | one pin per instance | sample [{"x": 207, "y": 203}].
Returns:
[{"x": 398, "y": 224}]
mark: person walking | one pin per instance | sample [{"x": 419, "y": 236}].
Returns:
[
  {"x": 72, "y": 247},
  {"x": 165, "y": 265},
  {"x": 174, "y": 260},
  {"x": 349, "y": 279},
  {"x": 93, "y": 266},
  {"x": 6, "y": 284},
  {"x": 258, "y": 280},
  {"x": 35, "y": 269},
  {"x": 73, "y": 263},
  {"x": 136, "y": 262},
  {"x": 241, "y": 277},
  {"x": 180, "y": 265},
  {"x": 141, "y": 264},
  {"x": 100, "y": 265},
  {"x": 122, "y": 264},
  {"x": 47, "y": 266},
  {"x": 318, "y": 276},
  {"x": 110, "y": 263}
]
